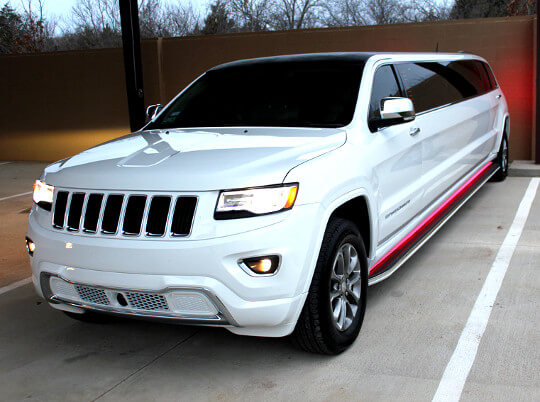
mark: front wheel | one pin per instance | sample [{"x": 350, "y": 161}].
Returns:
[{"x": 334, "y": 309}]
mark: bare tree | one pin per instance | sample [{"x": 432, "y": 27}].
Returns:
[
  {"x": 387, "y": 11},
  {"x": 430, "y": 10},
  {"x": 96, "y": 15},
  {"x": 345, "y": 13},
  {"x": 96, "y": 23},
  {"x": 182, "y": 19},
  {"x": 252, "y": 15},
  {"x": 296, "y": 14},
  {"x": 522, "y": 7},
  {"x": 25, "y": 31}
]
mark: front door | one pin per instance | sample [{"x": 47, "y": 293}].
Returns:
[{"x": 399, "y": 169}]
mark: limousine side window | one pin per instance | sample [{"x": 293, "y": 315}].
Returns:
[
  {"x": 473, "y": 72},
  {"x": 433, "y": 84},
  {"x": 385, "y": 85},
  {"x": 491, "y": 77},
  {"x": 430, "y": 85}
]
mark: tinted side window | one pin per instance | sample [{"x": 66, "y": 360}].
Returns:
[
  {"x": 384, "y": 86},
  {"x": 431, "y": 85},
  {"x": 473, "y": 72},
  {"x": 483, "y": 76},
  {"x": 491, "y": 77}
]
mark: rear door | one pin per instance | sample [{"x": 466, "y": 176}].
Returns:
[{"x": 399, "y": 169}]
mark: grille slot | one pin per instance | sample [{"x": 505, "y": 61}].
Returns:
[
  {"x": 92, "y": 295},
  {"x": 146, "y": 301},
  {"x": 125, "y": 214},
  {"x": 111, "y": 216},
  {"x": 60, "y": 209},
  {"x": 183, "y": 216},
  {"x": 75, "y": 212},
  {"x": 93, "y": 207},
  {"x": 134, "y": 215},
  {"x": 157, "y": 217}
]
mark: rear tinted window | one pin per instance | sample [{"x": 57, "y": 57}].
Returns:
[
  {"x": 492, "y": 80},
  {"x": 431, "y": 85},
  {"x": 473, "y": 72},
  {"x": 301, "y": 94}
]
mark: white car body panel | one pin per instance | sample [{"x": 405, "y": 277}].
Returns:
[{"x": 402, "y": 178}]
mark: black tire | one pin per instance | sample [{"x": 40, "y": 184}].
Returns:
[
  {"x": 502, "y": 160},
  {"x": 316, "y": 330},
  {"x": 90, "y": 317}
]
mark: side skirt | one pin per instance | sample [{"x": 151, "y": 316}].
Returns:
[{"x": 406, "y": 247}]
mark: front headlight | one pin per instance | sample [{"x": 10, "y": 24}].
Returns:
[
  {"x": 255, "y": 201},
  {"x": 43, "y": 194}
]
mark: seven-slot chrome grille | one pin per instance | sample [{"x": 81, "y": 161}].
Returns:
[{"x": 123, "y": 214}]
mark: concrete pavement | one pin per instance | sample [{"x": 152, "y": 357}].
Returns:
[{"x": 413, "y": 322}]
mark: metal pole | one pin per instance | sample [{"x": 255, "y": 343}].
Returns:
[
  {"x": 131, "y": 41},
  {"x": 537, "y": 134}
]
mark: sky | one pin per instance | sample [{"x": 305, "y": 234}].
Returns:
[{"x": 61, "y": 9}]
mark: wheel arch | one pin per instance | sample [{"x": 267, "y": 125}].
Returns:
[
  {"x": 506, "y": 126},
  {"x": 357, "y": 211}
]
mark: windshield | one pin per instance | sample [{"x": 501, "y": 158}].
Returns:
[{"x": 299, "y": 94}]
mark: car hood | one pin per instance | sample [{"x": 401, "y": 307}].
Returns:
[{"x": 194, "y": 159}]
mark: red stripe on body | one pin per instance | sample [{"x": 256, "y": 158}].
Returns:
[{"x": 407, "y": 240}]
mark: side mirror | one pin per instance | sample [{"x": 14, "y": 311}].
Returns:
[
  {"x": 394, "y": 111},
  {"x": 152, "y": 111}
]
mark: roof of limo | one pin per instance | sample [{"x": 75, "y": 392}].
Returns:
[{"x": 338, "y": 58}]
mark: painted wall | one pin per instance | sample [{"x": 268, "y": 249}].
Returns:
[{"x": 58, "y": 104}]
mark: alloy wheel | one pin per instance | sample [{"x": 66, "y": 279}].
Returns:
[{"x": 345, "y": 286}]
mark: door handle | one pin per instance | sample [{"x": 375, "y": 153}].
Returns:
[
  {"x": 499, "y": 96},
  {"x": 414, "y": 131}
]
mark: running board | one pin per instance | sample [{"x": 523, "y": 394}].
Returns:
[{"x": 405, "y": 248}]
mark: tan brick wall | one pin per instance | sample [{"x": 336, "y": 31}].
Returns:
[{"x": 58, "y": 104}]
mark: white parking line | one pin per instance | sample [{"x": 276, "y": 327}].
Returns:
[
  {"x": 459, "y": 366},
  {"x": 15, "y": 196},
  {"x": 15, "y": 285},
  {"x": 4, "y": 163}
]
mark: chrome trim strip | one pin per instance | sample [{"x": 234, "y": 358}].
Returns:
[
  {"x": 141, "y": 314},
  {"x": 435, "y": 229},
  {"x": 469, "y": 173},
  {"x": 222, "y": 318}
]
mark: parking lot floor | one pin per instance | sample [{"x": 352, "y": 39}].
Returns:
[{"x": 412, "y": 325}]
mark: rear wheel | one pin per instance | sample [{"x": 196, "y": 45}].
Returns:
[
  {"x": 502, "y": 160},
  {"x": 334, "y": 309}
]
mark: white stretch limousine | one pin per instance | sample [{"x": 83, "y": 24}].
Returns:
[{"x": 270, "y": 193}]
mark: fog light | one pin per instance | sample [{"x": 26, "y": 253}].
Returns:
[
  {"x": 266, "y": 265},
  {"x": 30, "y": 246}
]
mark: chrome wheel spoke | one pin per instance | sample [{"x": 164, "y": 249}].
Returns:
[
  {"x": 336, "y": 310},
  {"x": 342, "y": 313},
  {"x": 354, "y": 292},
  {"x": 354, "y": 279},
  {"x": 339, "y": 267},
  {"x": 333, "y": 295},
  {"x": 346, "y": 258}
]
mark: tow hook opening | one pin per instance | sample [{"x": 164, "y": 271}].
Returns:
[{"x": 121, "y": 300}]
